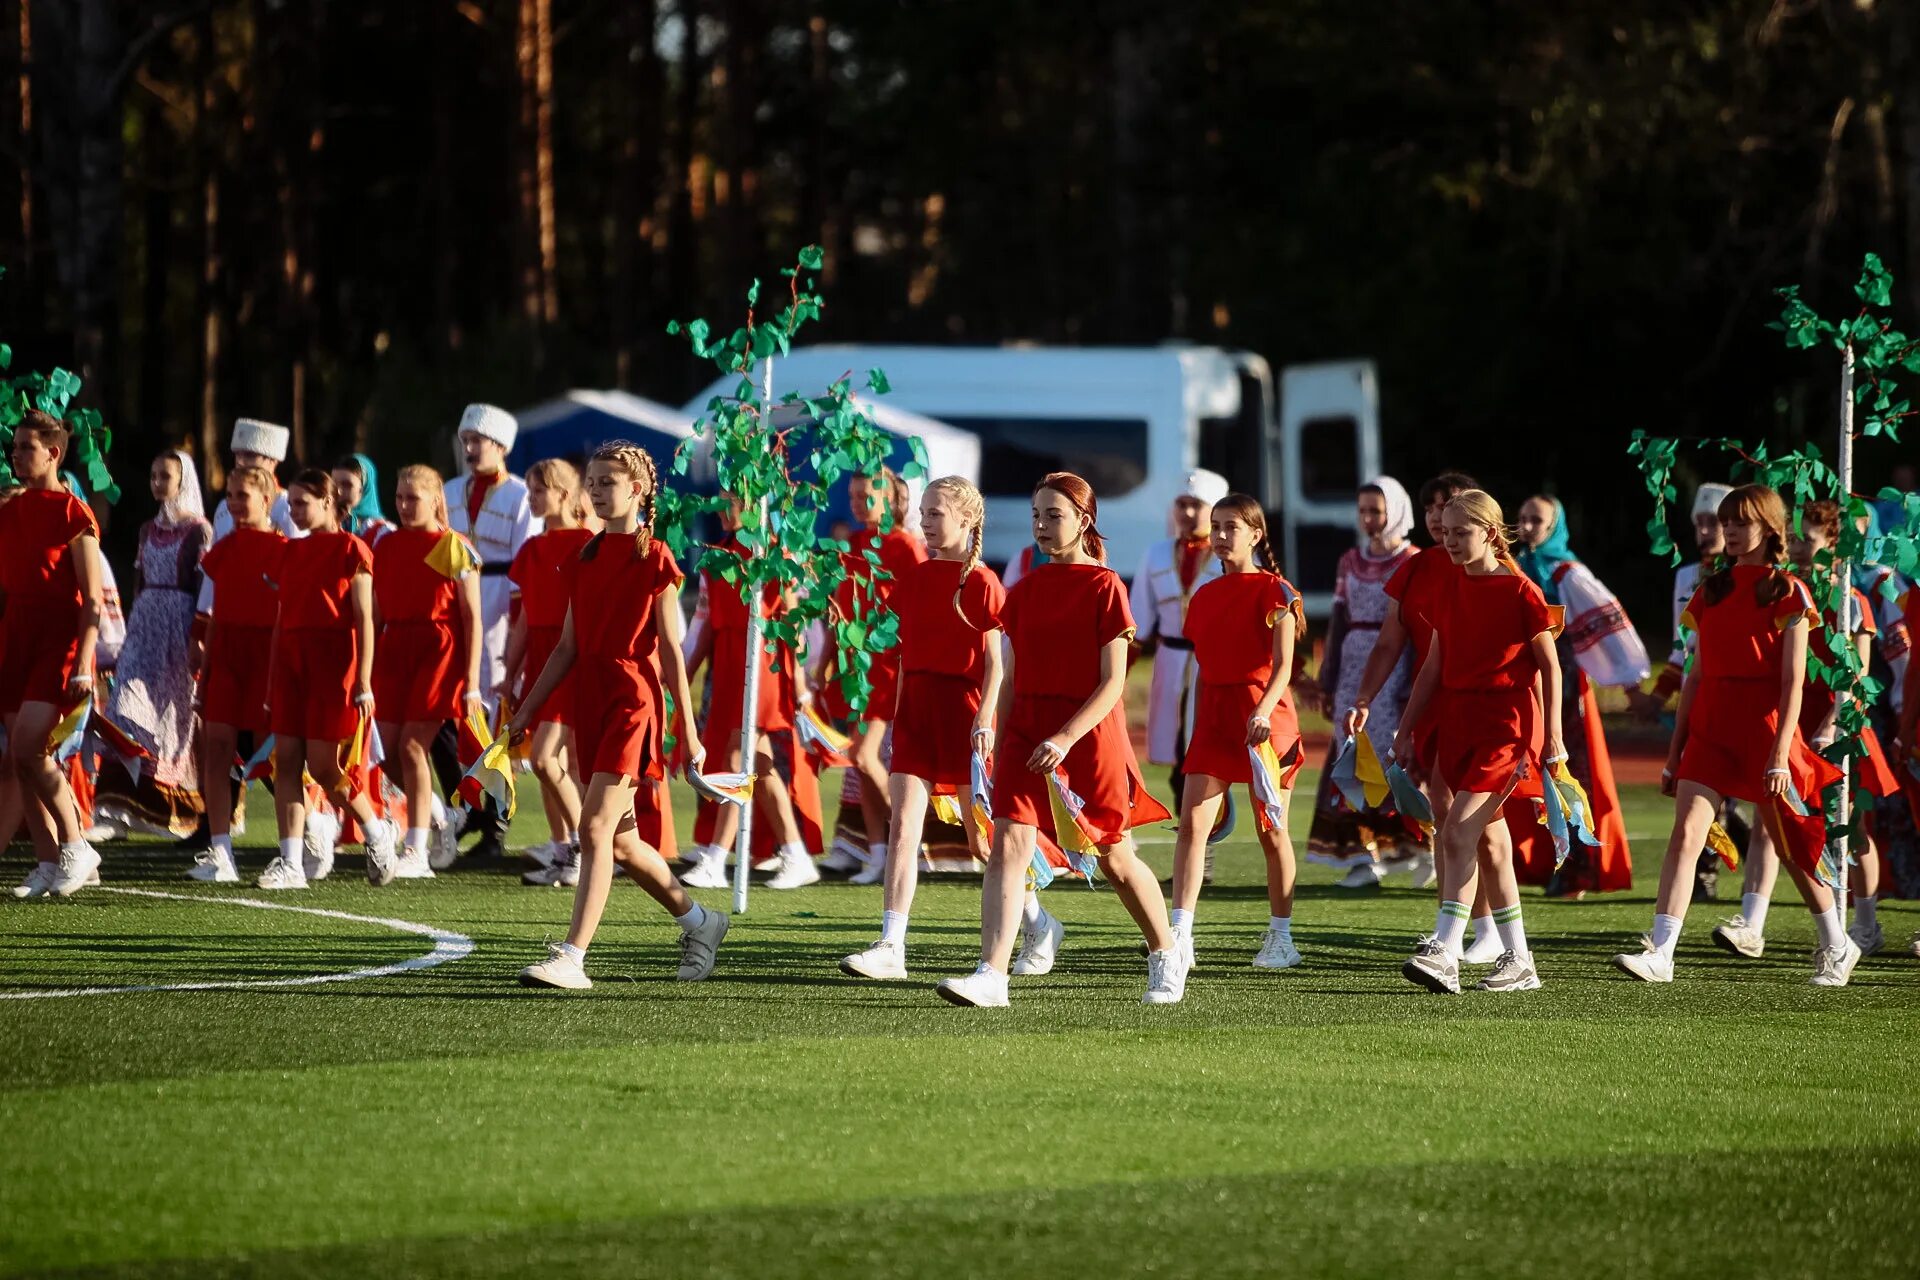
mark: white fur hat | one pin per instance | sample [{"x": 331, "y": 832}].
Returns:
[
  {"x": 1708, "y": 497},
  {"x": 1208, "y": 486},
  {"x": 494, "y": 424},
  {"x": 250, "y": 435}
]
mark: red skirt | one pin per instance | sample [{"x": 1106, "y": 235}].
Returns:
[
  {"x": 41, "y": 649},
  {"x": 616, "y": 719},
  {"x": 1217, "y": 747},
  {"x": 416, "y": 673},
  {"x": 1730, "y": 731},
  {"x": 235, "y": 689},
  {"x": 541, "y": 642},
  {"x": 933, "y": 729},
  {"x": 313, "y": 675},
  {"x": 1100, "y": 768},
  {"x": 1485, "y": 738},
  {"x": 729, "y": 664}
]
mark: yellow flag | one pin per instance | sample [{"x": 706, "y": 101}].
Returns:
[
  {"x": 453, "y": 556},
  {"x": 1366, "y": 768}
]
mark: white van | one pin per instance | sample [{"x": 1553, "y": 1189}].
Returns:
[{"x": 1132, "y": 420}]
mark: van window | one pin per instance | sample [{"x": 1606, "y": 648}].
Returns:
[
  {"x": 1236, "y": 447},
  {"x": 1109, "y": 453},
  {"x": 1330, "y": 458}
]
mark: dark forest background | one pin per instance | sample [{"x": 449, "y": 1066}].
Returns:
[{"x": 1548, "y": 223}]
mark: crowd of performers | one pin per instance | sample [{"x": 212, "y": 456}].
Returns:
[{"x": 362, "y": 667}]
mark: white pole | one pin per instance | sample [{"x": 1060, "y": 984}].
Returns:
[
  {"x": 1848, "y": 622},
  {"x": 750, "y": 700}
]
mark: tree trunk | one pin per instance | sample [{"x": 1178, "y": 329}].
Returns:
[
  {"x": 683, "y": 249},
  {"x": 636, "y": 161},
  {"x": 207, "y": 293},
  {"x": 159, "y": 160},
  {"x": 537, "y": 243},
  {"x": 446, "y": 332},
  {"x": 1904, "y": 62}
]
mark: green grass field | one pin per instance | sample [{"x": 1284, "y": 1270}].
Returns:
[{"x": 783, "y": 1120}]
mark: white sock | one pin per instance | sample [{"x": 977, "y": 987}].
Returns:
[
  {"x": 877, "y": 851},
  {"x": 1030, "y": 912},
  {"x": 893, "y": 927},
  {"x": 1666, "y": 934},
  {"x": 1450, "y": 926},
  {"x": 1484, "y": 927},
  {"x": 416, "y": 839},
  {"x": 1182, "y": 921},
  {"x": 695, "y": 917},
  {"x": 1753, "y": 909},
  {"x": 437, "y": 809},
  {"x": 793, "y": 852},
  {"x": 579, "y": 954},
  {"x": 1868, "y": 911},
  {"x": 1827, "y": 925},
  {"x": 1282, "y": 925},
  {"x": 1513, "y": 934},
  {"x": 290, "y": 849},
  {"x": 223, "y": 844}
]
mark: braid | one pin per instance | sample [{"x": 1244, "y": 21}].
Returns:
[
  {"x": 1778, "y": 583},
  {"x": 638, "y": 464},
  {"x": 971, "y": 509},
  {"x": 1263, "y": 554}
]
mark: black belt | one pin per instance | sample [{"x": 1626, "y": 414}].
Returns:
[
  {"x": 1177, "y": 642},
  {"x": 495, "y": 570}
]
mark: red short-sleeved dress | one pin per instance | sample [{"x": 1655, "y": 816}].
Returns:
[
  {"x": 1873, "y": 771},
  {"x": 1058, "y": 618},
  {"x": 244, "y": 568},
  {"x": 1230, "y": 621},
  {"x": 419, "y": 665},
  {"x": 1740, "y": 644},
  {"x": 40, "y": 630},
  {"x": 943, "y": 662},
  {"x": 614, "y": 589},
  {"x": 1488, "y": 727},
  {"x": 727, "y": 617},
  {"x": 539, "y": 574},
  {"x": 318, "y": 647},
  {"x": 1421, "y": 587},
  {"x": 899, "y": 553}
]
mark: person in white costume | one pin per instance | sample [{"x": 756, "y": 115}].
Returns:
[{"x": 1169, "y": 574}]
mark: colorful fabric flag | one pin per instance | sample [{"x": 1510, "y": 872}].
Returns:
[
  {"x": 453, "y": 556},
  {"x": 1720, "y": 843},
  {"x": 1269, "y": 788},
  {"x": 823, "y": 742},
  {"x": 1574, "y": 803},
  {"x": 63, "y": 743},
  {"x": 1408, "y": 799},
  {"x": 947, "y": 809},
  {"x": 726, "y": 788},
  {"x": 1076, "y": 839},
  {"x": 490, "y": 778},
  {"x": 259, "y": 767},
  {"x": 1345, "y": 778},
  {"x": 1367, "y": 771},
  {"x": 980, "y": 798},
  {"x": 122, "y": 744},
  {"x": 476, "y": 735},
  {"x": 364, "y": 749}
]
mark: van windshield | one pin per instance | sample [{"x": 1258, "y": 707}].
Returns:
[{"x": 1108, "y": 453}]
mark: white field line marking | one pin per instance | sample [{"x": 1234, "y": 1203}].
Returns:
[{"x": 447, "y": 946}]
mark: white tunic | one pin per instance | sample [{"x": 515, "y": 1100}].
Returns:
[
  {"x": 1159, "y": 613},
  {"x": 505, "y": 523}
]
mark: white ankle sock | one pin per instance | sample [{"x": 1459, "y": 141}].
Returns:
[
  {"x": 1484, "y": 927},
  {"x": 1868, "y": 911},
  {"x": 290, "y": 849},
  {"x": 223, "y": 844},
  {"x": 436, "y": 809},
  {"x": 416, "y": 839},
  {"x": 1666, "y": 934},
  {"x": 793, "y": 851},
  {"x": 1030, "y": 909},
  {"x": 579, "y": 954},
  {"x": 695, "y": 917},
  {"x": 877, "y": 851},
  {"x": 1450, "y": 925},
  {"x": 1282, "y": 925},
  {"x": 1827, "y": 925},
  {"x": 1753, "y": 909},
  {"x": 1513, "y": 934},
  {"x": 893, "y": 927},
  {"x": 1182, "y": 921}
]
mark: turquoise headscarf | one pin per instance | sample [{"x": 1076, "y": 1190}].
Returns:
[
  {"x": 368, "y": 508},
  {"x": 1543, "y": 561}
]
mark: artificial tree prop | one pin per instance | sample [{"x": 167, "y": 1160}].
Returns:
[
  {"x": 1871, "y": 351},
  {"x": 53, "y": 393},
  {"x": 778, "y": 459}
]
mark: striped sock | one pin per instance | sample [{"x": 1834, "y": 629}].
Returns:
[
  {"x": 1513, "y": 934},
  {"x": 1450, "y": 926}
]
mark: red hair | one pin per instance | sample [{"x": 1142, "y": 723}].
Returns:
[{"x": 1079, "y": 496}]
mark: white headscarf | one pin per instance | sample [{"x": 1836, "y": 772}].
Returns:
[
  {"x": 1399, "y": 508},
  {"x": 186, "y": 506}
]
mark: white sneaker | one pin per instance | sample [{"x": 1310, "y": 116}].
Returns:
[
  {"x": 214, "y": 866},
  {"x": 104, "y": 831},
  {"x": 413, "y": 864},
  {"x": 1365, "y": 875},
  {"x": 1833, "y": 966},
  {"x": 1868, "y": 937},
  {"x": 1915, "y": 946},
  {"x": 1277, "y": 952},
  {"x": 78, "y": 867},
  {"x": 709, "y": 873},
  {"x": 842, "y": 857},
  {"x": 796, "y": 872},
  {"x": 767, "y": 865},
  {"x": 1742, "y": 939},
  {"x": 883, "y": 961},
  {"x": 697, "y": 946},
  {"x": 1486, "y": 948},
  {"x": 1511, "y": 972},
  {"x": 556, "y": 873},
  {"x": 981, "y": 989},
  {"x": 39, "y": 881},
  {"x": 317, "y": 844},
  {"x": 1184, "y": 941},
  {"x": 443, "y": 847},
  {"x": 1424, "y": 875},
  {"x": 875, "y": 872},
  {"x": 282, "y": 873},
  {"x": 1039, "y": 945},
  {"x": 539, "y": 856},
  {"x": 382, "y": 864},
  {"x": 1648, "y": 965},
  {"x": 1166, "y": 977},
  {"x": 558, "y": 970},
  {"x": 1432, "y": 966}
]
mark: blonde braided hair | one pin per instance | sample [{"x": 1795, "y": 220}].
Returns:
[
  {"x": 971, "y": 509},
  {"x": 638, "y": 464}
]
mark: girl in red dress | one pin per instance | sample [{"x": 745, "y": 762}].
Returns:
[
  {"x": 322, "y": 679},
  {"x": 243, "y": 567},
  {"x": 1490, "y": 670},
  {"x": 623, "y": 609},
  {"x": 899, "y": 551},
  {"x": 538, "y": 576},
  {"x": 1737, "y": 735},
  {"x": 1062, "y": 709},
  {"x": 1244, "y": 625},
  {"x": 426, "y": 670},
  {"x": 950, "y": 662}
]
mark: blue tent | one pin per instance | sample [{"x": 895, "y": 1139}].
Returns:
[{"x": 579, "y": 422}]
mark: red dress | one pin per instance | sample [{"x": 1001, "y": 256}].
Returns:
[
  {"x": 1230, "y": 621},
  {"x": 1058, "y": 618},
  {"x": 614, "y": 589},
  {"x": 899, "y": 552},
  {"x": 539, "y": 575},
  {"x": 41, "y": 589},
  {"x": 419, "y": 666},
  {"x": 1487, "y": 722},
  {"x": 727, "y": 616},
  {"x": 943, "y": 661},
  {"x": 1421, "y": 587},
  {"x": 317, "y": 650},
  {"x": 243, "y": 567},
  {"x": 1816, "y": 700}
]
